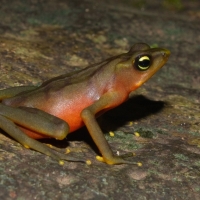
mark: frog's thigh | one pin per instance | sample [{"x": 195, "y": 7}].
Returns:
[
  {"x": 10, "y": 92},
  {"x": 12, "y": 130},
  {"x": 16, "y": 133},
  {"x": 36, "y": 120}
]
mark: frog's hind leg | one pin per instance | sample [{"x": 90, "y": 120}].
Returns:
[
  {"x": 10, "y": 92},
  {"x": 36, "y": 120}
]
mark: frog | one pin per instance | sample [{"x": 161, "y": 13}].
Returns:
[{"x": 65, "y": 103}]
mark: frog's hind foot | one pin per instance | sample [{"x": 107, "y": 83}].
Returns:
[{"x": 65, "y": 157}]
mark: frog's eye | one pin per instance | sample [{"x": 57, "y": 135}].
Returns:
[{"x": 143, "y": 62}]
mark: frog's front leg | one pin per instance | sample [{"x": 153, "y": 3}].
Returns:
[
  {"x": 88, "y": 116},
  {"x": 37, "y": 121}
]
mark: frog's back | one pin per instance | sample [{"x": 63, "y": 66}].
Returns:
[{"x": 89, "y": 82}]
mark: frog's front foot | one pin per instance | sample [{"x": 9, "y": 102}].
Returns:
[{"x": 114, "y": 160}]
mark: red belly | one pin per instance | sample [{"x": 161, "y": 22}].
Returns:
[{"x": 71, "y": 114}]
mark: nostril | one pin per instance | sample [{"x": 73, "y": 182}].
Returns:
[{"x": 166, "y": 53}]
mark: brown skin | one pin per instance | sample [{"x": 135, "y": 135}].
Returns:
[{"x": 65, "y": 103}]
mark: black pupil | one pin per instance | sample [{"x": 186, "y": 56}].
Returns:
[{"x": 144, "y": 63}]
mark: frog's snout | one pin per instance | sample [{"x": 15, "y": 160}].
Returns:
[{"x": 166, "y": 53}]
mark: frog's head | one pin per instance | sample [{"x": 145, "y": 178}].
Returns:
[{"x": 142, "y": 62}]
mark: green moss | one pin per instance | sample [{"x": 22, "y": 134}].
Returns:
[
  {"x": 197, "y": 189},
  {"x": 197, "y": 163},
  {"x": 153, "y": 172},
  {"x": 181, "y": 157},
  {"x": 146, "y": 133},
  {"x": 126, "y": 140},
  {"x": 173, "y": 4}
]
